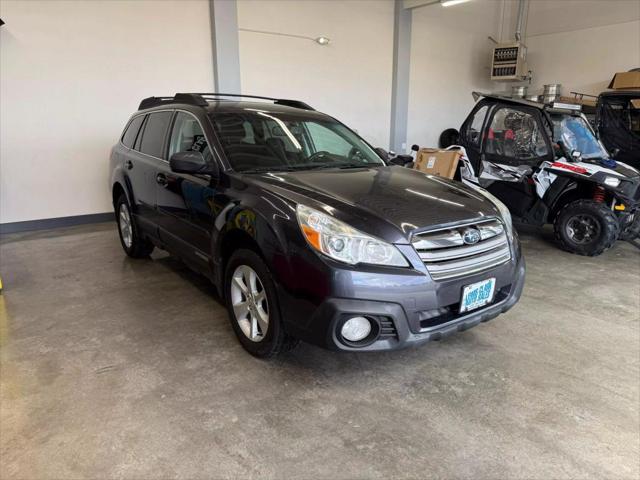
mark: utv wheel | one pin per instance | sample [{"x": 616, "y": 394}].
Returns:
[
  {"x": 449, "y": 137},
  {"x": 253, "y": 306},
  {"x": 586, "y": 227},
  {"x": 133, "y": 244},
  {"x": 631, "y": 231}
]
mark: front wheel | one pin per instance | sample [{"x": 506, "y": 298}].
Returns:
[
  {"x": 253, "y": 306},
  {"x": 586, "y": 228}
]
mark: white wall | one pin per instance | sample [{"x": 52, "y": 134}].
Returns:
[
  {"x": 584, "y": 60},
  {"x": 349, "y": 79},
  {"x": 450, "y": 55},
  {"x": 71, "y": 73}
]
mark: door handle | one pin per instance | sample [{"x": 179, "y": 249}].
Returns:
[
  {"x": 128, "y": 164},
  {"x": 161, "y": 179}
]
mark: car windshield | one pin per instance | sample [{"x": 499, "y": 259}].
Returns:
[
  {"x": 261, "y": 141},
  {"x": 576, "y": 135}
]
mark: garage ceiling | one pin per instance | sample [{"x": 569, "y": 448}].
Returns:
[
  {"x": 545, "y": 16},
  {"x": 551, "y": 16}
]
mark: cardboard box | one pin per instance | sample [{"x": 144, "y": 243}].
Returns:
[
  {"x": 437, "y": 162},
  {"x": 625, "y": 81},
  {"x": 586, "y": 102}
]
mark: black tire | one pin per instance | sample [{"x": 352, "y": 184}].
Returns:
[
  {"x": 586, "y": 228},
  {"x": 138, "y": 246},
  {"x": 276, "y": 340},
  {"x": 632, "y": 231},
  {"x": 448, "y": 137}
]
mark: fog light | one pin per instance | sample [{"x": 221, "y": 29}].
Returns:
[{"x": 356, "y": 329}]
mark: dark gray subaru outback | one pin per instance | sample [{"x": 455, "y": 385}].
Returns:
[{"x": 306, "y": 231}]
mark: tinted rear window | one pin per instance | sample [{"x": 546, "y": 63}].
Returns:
[
  {"x": 132, "y": 131},
  {"x": 154, "y": 133}
]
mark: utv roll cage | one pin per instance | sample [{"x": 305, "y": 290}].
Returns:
[
  {"x": 545, "y": 108},
  {"x": 202, "y": 100},
  {"x": 551, "y": 107}
]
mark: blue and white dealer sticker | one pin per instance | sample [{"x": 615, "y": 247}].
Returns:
[{"x": 477, "y": 295}]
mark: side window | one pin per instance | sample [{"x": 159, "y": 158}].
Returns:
[
  {"x": 474, "y": 128},
  {"x": 327, "y": 140},
  {"x": 187, "y": 136},
  {"x": 154, "y": 133},
  {"x": 131, "y": 132},
  {"x": 516, "y": 136},
  {"x": 136, "y": 146}
]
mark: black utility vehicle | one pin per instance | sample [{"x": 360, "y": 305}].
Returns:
[
  {"x": 305, "y": 230},
  {"x": 618, "y": 124},
  {"x": 547, "y": 165}
]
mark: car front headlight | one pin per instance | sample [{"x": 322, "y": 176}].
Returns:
[
  {"x": 344, "y": 243},
  {"x": 502, "y": 208}
]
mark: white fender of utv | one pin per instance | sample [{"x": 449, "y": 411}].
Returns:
[{"x": 467, "y": 172}]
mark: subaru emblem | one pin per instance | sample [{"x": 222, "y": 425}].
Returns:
[{"x": 471, "y": 236}]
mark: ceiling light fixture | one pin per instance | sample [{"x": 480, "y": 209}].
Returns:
[
  {"x": 322, "y": 40},
  {"x": 448, "y": 3}
]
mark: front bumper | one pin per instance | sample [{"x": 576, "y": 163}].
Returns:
[{"x": 411, "y": 313}]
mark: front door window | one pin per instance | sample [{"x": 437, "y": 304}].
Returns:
[
  {"x": 187, "y": 136},
  {"x": 515, "y": 138}
]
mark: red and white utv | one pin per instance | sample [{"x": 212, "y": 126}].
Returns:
[{"x": 545, "y": 163}]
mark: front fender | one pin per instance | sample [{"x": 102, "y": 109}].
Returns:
[{"x": 271, "y": 225}]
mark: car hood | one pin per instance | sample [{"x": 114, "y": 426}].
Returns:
[{"x": 388, "y": 202}]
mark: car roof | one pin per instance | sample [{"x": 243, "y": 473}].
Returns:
[
  {"x": 621, "y": 93},
  {"x": 503, "y": 98},
  {"x": 227, "y": 103},
  {"x": 235, "y": 106},
  {"x": 551, "y": 108}
]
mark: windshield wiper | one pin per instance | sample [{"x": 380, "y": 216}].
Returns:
[
  {"x": 282, "y": 168},
  {"x": 356, "y": 165},
  {"x": 310, "y": 166},
  {"x": 343, "y": 165}
]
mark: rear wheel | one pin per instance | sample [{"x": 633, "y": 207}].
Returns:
[
  {"x": 448, "y": 137},
  {"x": 253, "y": 306},
  {"x": 586, "y": 227},
  {"x": 632, "y": 230},
  {"x": 132, "y": 242}
]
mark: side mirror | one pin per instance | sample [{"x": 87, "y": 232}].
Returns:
[
  {"x": 192, "y": 162},
  {"x": 382, "y": 153},
  {"x": 415, "y": 148},
  {"x": 401, "y": 160}
]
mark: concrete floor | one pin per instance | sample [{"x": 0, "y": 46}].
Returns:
[{"x": 129, "y": 369}]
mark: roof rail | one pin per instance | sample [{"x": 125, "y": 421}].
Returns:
[
  {"x": 277, "y": 101},
  {"x": 188, "y": 98},
  {"x": 199, "y": 100}
]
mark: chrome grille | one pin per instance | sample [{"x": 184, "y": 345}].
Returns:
[{"x": 446, "y": 255}]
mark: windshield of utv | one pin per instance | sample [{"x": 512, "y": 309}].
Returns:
[
  {"x": 263, "y": 141},
  {"x": 576, "y": 135}
]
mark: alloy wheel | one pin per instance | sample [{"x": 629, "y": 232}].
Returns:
[
  {"x": 124, "y": 222},
  {"x": 249, "y": 302},
  {"x": 583, "y": 229}
]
